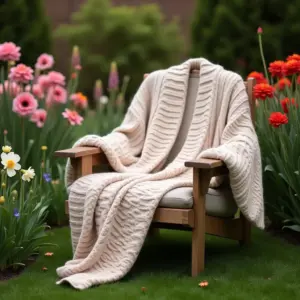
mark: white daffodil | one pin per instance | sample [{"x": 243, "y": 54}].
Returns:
[
  {"x": 6, "y": 149},
  {"x": 28, "y": 174},
  {"x": 10, "y": 162}
]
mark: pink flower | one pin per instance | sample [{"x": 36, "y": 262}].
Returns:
[
  {"x": 9, "y": 51},
  {"x": 39, "y": 117},
  {"x": 75, "y": 57},
  {"x": 21, "y": 73},
  {"x": 55, "y": 78},
  {"x": 11, "y": 87},
  {"x": 36, "y": 90},
  {"x": 259, "y": 30},
  {"x": 73, "y": 117},
  {"x": 97, "y": 90},
  {"x": 24, "y": 104},
  {"x": 79, "y": 100},
  {"x": 56, "y": 94},
  {"x": 43, "y": 82},
  {"x": 113, "y": 80},
  {"x": 45, "y": 61}
]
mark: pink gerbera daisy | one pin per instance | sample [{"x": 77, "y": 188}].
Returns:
[
  {"x": 56, "y": 94},
  {"x": 9, "y": 51},
  {"x": 36, "y": 90},
  {"x": 45, "y": 61},
  {"x": 55, "y": 78},
  {"x": 21, "y": 74},
  {"x": 43, "y": 82},
  {"x": 73, "y": 117},
  {"x": 24, "y": 104},
  {"x": 39, "y": 117}
]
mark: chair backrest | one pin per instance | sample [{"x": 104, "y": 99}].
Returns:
[{"x": 187, "y": 117}]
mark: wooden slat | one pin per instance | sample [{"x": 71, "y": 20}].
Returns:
[
  {"x": 204, "y": 163},
  {"x": 174, "y": 216},
  {"x": 224, "y": 227},
  {"x": 77, "y": 152}
]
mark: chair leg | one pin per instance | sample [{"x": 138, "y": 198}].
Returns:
[
  {"x": 198, "y": 250},
  {"x": 201, "y": 179},
  {"x": 246, "y": 231}
]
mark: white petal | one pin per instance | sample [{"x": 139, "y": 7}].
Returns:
[
  {"x": 17, "y": 166},
  {"x": 10, "y": 155},
  {"x": 3, "y": 156},
  {"x": 11, "y": 172},
  {"x": 17, "y": 158}
]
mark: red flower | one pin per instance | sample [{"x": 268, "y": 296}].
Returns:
[
  {"x": 263, "y": 91},
  {"x": 293, "y": 57},
  {"x": 291, "y": 67},
  {"x": 276, "y": 68},
  {"x": 259, "y": 30},
  {"x": 282, "y": 83},
  {"x": 259, "y": 77},
  {"x": 286, "y": 102},
  {"x": 277, "y": 119}
]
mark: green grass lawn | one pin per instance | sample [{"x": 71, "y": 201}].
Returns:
[{"x": 268, "y": 269}]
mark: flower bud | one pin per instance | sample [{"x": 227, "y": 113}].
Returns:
[{"x": 14, "y": 193}]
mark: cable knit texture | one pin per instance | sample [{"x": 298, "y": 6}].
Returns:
[{"x": 110, "y": 213}]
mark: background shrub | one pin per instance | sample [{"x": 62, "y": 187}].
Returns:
[
  {"x": 137, "y": 38},
  {"x": 24, "y": 22},
  {"x": 223, "y": 31}
]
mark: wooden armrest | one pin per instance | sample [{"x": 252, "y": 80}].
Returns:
[
  {"x": 78, "y": 152},
  {"x": 205, "y": 163}
]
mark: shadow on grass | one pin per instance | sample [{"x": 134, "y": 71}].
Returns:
[{"x": 171, "y": 253}]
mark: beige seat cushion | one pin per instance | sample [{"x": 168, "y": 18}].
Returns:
[{"x": 219, "y": 202}]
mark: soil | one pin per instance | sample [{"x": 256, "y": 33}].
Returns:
[
  {"x": 11, "y": 272},
  {"x": 292, "y": 237}
]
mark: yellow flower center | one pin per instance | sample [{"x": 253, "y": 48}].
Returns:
[{"x": 10, "y": 164}]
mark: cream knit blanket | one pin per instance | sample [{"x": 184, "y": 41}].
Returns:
[{"x": 110, "y": 213}]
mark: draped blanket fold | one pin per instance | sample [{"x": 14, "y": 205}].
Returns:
[{"x": 110, "y": 213}]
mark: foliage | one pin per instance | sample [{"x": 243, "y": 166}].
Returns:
[
  {"x": 31, "y": 30},
  {"x": 56, "y": 214},
  {"x": 222, "y": 31},
  {"x": 109, "y": 110},
  {"x": 23, "y": 208},
  {"x": 137, "y": 38},
  {"x": 278, "y": 128}
]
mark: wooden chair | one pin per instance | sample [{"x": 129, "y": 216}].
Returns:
[{"x": 198, "y": 215}]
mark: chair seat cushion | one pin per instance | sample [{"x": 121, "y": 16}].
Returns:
[{"x": 219, "y": 202}]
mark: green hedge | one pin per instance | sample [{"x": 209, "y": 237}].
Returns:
[
  {"x": 224, "y": 31},
  {"x": 137, "y": 38},
  {"x": 24, "y": 22}
]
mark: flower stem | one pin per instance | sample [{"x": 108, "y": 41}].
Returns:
[
  {"x": 23, "y": 137},
  {"x": 22, "y": 195},
  {"x": 262, "y": 56}
]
